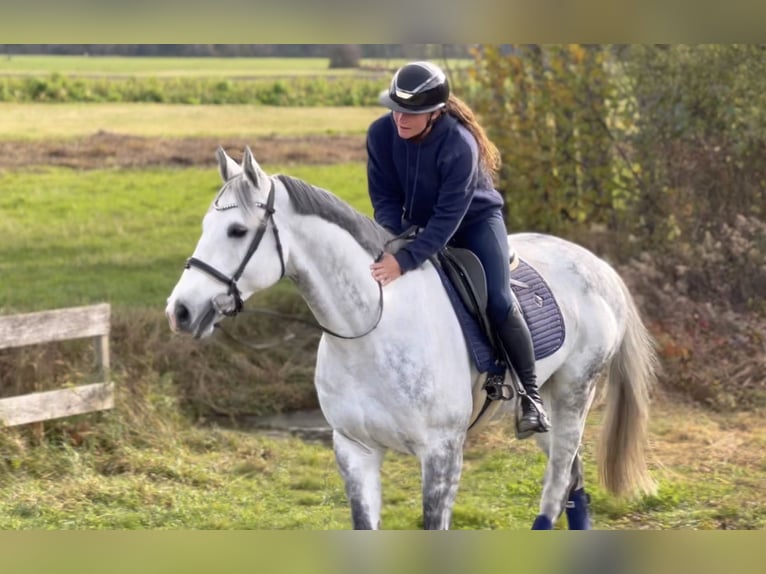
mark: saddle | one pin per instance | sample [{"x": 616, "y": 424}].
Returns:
[
  {"x": 466, "y": 273},
  {"x": 464, "y": 280}
]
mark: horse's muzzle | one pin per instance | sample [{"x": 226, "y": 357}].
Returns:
[
  {"x": 182, "y": 320},
  {"x": 179, "y": 318}
]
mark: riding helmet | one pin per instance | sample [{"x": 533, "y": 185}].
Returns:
[{"x": 417, "y": 88}]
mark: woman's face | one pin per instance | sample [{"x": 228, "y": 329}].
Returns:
[{"x": 410, "y": 125}]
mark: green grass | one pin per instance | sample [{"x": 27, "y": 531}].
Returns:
[
  {"x": 41, "y": 121},
  {"x": 222, "y": 479},
  {"x": 114, "y": 66},
  {"x": 120, "y": 236},
  {"x": 134, "y": 476},
  {"x": 170, "y": 67}
]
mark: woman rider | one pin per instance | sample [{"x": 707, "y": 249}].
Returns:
[{"x": 431, "y": 165}]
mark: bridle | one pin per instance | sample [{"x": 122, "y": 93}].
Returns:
[{"x": 231, "y": 282}]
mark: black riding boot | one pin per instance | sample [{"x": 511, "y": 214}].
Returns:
[{"x": 516, "y": 341}]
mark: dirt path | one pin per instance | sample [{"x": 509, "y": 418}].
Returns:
[{"x": 106, "y": 149}]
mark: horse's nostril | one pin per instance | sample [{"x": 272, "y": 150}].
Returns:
[{"x": 183, "y": 317}]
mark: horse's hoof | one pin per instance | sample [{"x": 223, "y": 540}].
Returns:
[{"x": 542, "y": 522}]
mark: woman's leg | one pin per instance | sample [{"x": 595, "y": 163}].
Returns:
[{"x": 488, "y": 239}]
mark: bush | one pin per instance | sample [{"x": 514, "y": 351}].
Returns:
[
  {"x": 662, "y": 144},
  {"x": 705, "y": 304},
  {"x": 319, "y": 91}
]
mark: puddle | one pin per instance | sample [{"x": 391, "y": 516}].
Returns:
[{"x": 307, "y": 425}]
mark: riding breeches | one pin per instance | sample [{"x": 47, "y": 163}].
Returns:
[{"x": 488, "y": 239}]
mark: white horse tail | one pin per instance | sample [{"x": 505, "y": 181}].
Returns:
[{"x": 631, "y": 377}]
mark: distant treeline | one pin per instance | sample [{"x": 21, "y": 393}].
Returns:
[{"x": 245, "y": 50}]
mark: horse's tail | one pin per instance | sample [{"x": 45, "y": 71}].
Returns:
[{"x": 632, "y": 374}]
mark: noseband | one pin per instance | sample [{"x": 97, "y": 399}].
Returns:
[{"x": 231, "y": 282}]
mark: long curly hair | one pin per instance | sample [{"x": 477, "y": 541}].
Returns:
[{"x": 489, "y": 155}]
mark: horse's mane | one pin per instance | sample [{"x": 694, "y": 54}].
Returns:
[{"x": 308, "y": 199}]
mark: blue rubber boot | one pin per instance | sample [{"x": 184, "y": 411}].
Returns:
[
  {"x": 542, "y": 522},
  {"x": 577, "y": 510}
]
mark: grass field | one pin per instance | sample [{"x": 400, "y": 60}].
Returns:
[
  {"x": 38, "y": 121},
  {"x": 115, "y": 66},
  {"x": 199, "y": 478},
  {"x": 117, "y": 235}
]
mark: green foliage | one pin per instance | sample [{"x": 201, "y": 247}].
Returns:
[
  {"x": 699, "y": 137},
  {"x": 659, "y": 143},
  {"x": 341, "y": 90},
  {"x": 548, "y": 111}
]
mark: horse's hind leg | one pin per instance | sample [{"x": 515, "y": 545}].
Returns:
[
  {"x": 562, "y": 482},
  {"x": 577, "y": 501},
  {"x": 360, "y": 468},
  {"x": 441, "y": 468}
]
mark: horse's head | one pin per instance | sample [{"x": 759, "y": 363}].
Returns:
[{"x": 238, "y": 253}]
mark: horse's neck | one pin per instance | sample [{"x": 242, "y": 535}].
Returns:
[{"x": 332, "y": 272}]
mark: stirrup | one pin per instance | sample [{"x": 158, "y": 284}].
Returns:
[
  {"x": 543, "y": 424},
  {"x": 497, "y": 389}
]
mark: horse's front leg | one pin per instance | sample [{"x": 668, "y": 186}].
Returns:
[
  {"x": 441, "y": 467},
  {"x": 360, "y": 468}
]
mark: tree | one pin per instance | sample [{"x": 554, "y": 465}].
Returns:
[
  {"x": 547, "y": 110},
  {"x": 345, "y": 55}
]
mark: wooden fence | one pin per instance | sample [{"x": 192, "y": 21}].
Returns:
[{"x": 59, "y": 325}]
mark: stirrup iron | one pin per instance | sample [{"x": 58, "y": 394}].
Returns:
[{"x": 497, "y": 389}]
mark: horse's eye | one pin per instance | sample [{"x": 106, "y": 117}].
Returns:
[{"x": 237, "y": 231}]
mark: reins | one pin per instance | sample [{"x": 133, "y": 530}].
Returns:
[{"x": 234, "y": 291}]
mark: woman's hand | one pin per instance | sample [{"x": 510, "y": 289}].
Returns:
[{"x": 386, "y": 270}]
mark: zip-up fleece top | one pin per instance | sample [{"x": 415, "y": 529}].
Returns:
[{"x": 435, "y": 184}]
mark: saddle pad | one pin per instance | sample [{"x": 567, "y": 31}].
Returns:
[
  {"x": 478, "y": 345},
  {"x": 541, "y": 311},
  {"x": 539, "y": 308}
]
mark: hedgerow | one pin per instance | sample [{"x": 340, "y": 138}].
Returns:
[{"x": 296, "y": 91}]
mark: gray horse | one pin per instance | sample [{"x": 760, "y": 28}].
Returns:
[{"x": 393, "y": 369}]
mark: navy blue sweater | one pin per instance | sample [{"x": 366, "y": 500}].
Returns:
[{"x": 436, "y": 184}]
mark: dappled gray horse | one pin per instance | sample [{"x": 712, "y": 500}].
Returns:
[{"x": 393, "y": 370}]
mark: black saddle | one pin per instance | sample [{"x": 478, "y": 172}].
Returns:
[{"x": 466, "y": 273}]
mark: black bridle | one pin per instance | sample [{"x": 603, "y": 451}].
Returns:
[{"x": 231, "y": 282}]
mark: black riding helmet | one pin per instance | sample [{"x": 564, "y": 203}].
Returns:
[{"x": 417, "y": 88}]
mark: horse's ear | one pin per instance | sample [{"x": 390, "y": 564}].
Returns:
[
  {"x": 227, "y": 167},
  {"x": 253, "y": 171}
]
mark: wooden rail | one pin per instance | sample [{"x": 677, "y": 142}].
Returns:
[{"x": 58, "y": 325}]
